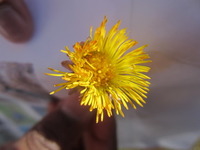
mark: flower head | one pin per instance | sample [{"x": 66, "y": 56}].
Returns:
[{"x": 108, "y": 75}]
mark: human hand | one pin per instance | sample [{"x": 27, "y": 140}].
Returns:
[
  {"x": 16, "y": 23},
  {"x": 69, "y": 126}
]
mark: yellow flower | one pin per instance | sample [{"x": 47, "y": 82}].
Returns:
[{"x": 110, "y": 77}]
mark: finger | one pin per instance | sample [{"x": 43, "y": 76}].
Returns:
[
  {"x": 72, "y": 107},
  {"x": 16, "y": 22},
  {"x": 75, "y": 90},
  {"x": 53, "y": 104},
  {"x": 66, "y": 64},
  {"x": 72, "y": 91},
  {"x": 101, "y": 135}
]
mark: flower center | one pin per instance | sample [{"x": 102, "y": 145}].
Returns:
[{"x": 100, "y": 68}]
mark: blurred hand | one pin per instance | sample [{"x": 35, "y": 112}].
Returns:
[
  {"x": 16, "y": 23},
  {"x": 69, "y": 126}
]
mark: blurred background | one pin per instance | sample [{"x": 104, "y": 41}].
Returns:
[{"x": 171, "y": 28}]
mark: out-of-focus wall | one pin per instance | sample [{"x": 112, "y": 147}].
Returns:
[{"x": 171, "y": 116}]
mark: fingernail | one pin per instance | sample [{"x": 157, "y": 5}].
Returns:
[
  {"x": 9, "y": 21},
  {"x": 12, "y": 25},
  {"x": 66, "y": 64}
]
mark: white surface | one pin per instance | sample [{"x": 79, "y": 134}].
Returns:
[{"x": 171, "y": 28}]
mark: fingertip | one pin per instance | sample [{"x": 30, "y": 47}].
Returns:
[
  {"x": 16, "y": 23},
  {"x": 53, "y": 104},
  {"x": 71, "y": 106},
  {"x": 66, "y": 64}
]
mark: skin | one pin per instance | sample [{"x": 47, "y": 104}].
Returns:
[
  {"x": 16, "y": 24},
  {"x": 68, "y": 126}
]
